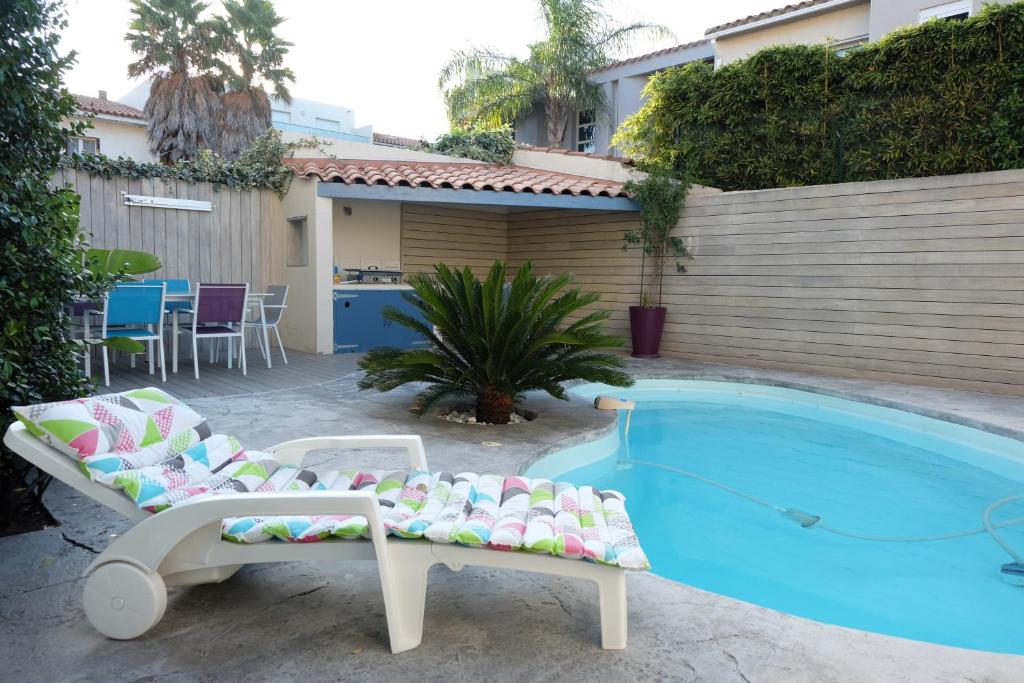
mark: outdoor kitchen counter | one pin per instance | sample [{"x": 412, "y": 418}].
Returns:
[
  {"x": 359, "y": 323},
  {"x": 371, "y": 286}
]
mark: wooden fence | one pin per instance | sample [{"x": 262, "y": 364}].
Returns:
[
  {"x": 241, "y": 240},
  {"x": 917, "y": 280}
]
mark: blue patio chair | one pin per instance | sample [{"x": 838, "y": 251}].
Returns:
[
  {"x": 135, "y": 311},
  {"x": 174, "y": 286}
]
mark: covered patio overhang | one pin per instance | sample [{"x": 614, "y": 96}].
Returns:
[
  {"x": 469, "y": 183},
  {"x": 407, "y": 216},
  {"x": 429, "y": 195}
]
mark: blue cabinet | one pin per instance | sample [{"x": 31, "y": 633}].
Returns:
[{"x": 359, "y": 324}]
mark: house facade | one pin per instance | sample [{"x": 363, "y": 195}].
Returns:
[
  {"x": 843, "y": 24},
  {"x": 622, "y": 82}
]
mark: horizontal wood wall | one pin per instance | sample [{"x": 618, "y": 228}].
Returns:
[
  {"x": 917, "y": 280},
  {"x": 456, "y": 237},
  {"x": 241, "y": 240},
  {"x": 587, "y": 244}
]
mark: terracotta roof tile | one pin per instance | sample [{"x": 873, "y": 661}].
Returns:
[
  {"x": 95, "y": 105},
  {"x": 395, "y": 141},
  {"x": 766, "y": 15},
  {"x": 454, "y": 175},
  {"x": 648, "y": 55}
]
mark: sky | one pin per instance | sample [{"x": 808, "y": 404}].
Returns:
[{"x": 381, "y": 57}]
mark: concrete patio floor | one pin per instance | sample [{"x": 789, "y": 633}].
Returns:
[{"x": 325, "y": 621}]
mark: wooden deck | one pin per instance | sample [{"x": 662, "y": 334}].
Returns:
[{"x": 302, "y": 370}]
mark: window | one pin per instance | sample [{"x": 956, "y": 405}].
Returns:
[
  {"x": 843, "y": 47},
  {"x": 328, "y": 124},
  {"x": 957, "y": 11},
  {"x": 83, "y": 146},
  {"x": 586, "y": 125},
  {"x": 280, "y": 116}
]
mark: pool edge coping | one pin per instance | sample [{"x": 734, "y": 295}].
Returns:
[{"x": 853, "y": 395}]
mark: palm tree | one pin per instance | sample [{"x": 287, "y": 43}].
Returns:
[
  {"x": 247, "y": 36},
  {"x": 483, "y": 87},
  {"x": 173, "y": 43},
  {"x": 494, "y": 341}
]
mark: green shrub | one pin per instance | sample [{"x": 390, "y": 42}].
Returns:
[
  {"x": 493, "y": 145},
  {"x": 41, "y": 252},
  {"x": 941, "y": 98},
  {"x": 493, "y": 341}
]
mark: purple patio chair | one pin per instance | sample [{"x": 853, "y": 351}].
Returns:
[{"x": 219, "y": 313}]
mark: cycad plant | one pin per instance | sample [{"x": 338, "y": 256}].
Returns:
[{"x": 493, "y": 341}]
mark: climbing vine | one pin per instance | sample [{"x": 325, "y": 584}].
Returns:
[
  {"x": 661, "y": 195},
  {"x": 259, "y": 167}
]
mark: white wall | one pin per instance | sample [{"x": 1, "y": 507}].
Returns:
[
  {"x": 318, "y": 118},
  {"x": 370, "y": 236},
  {"x": 589, "y": 166},
  {"x": 889, "y": 15},
  {"x": 309, "y": 325},
  {"x": 838, "y": 25},
  {"x": 120, "y": 138},
  {"x": 532, "y": 128},
  {"x": 347, "y": 149}
]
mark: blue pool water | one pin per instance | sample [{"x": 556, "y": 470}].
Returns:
[{"x": 862, "y": 468}]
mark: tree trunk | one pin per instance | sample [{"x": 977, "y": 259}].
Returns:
[
  {"x": 556, "y": 116},
  {"x": 493, "y": 406}
]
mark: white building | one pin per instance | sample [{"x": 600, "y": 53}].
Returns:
[{"x": 118, "y": 128}]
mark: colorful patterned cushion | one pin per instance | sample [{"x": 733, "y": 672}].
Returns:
[
  {"x": 113, "y": 424},
  {"x": 570, "y": 522},
  {"x": 160, "y": 453}
]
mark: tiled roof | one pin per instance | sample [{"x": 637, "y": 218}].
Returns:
[
  {"x": 766, "y": 15},
  {"x": 95, "y": 105},
  {"x": 656, "y": 53},
  {"x": 454, "y": 175},
  {"x": 395, "y": 141}
]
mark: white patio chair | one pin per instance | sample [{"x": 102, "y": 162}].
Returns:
[{"x": 273, "y": 307}]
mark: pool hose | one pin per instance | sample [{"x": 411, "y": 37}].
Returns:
[{"x": 811, "y": 521}]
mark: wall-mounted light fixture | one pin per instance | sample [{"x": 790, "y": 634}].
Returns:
[{"x": 166, "y": 202}]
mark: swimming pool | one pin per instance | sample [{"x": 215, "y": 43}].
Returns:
[{"x": 704, "y": 462}]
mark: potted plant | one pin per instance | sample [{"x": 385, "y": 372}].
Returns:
[{"x": 661, "y": 195}]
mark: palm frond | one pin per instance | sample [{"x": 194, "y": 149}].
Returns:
[
  {"x": 484, "y": 87},
  {"x": 496, "y": 338}
]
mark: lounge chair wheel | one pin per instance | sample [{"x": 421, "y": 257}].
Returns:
[{"x": 122, "y": 601}]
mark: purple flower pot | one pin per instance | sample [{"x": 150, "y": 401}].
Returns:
[{"x": 646, "y": 326}]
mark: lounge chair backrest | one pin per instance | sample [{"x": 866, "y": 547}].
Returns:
[
  {"x": 135, "y": 304},
  {"x": 216, "y": 303},
  {"x": 275, "y": 303}
]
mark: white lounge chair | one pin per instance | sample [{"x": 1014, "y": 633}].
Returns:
[{"x": 125, "y": 592}]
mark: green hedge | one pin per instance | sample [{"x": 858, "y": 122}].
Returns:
[{"x": 941, "y": 98}]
